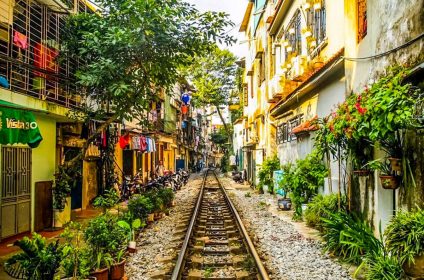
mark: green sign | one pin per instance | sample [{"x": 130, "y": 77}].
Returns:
[{"x": 18, "y": 126}]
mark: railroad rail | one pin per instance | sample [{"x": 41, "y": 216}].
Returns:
[{"x": 217, "y": 245}]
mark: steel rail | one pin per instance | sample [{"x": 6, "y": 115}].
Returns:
[
  {"x": 261, "y": 269},
  {"x": 176, "y": 273}
]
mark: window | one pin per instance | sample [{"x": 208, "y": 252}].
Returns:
[
  {"x": 293, "y": 35},
  {"x": 316, "y": 19},
  {"x": 284, "y": 130},
  {"x": 262, "y": 68},
  {"x": 362, "y": 19}
]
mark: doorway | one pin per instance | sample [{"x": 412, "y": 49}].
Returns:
[
  {"x": 76, "y": 191},
  {"x": 15, "y": 190}
]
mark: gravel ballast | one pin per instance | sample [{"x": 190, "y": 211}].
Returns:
[
  {"x": 286, "y": 253},
  {"x": 156, "y": 245}
]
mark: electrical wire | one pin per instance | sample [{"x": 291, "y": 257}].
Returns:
[{"x": 387, "y": 52}]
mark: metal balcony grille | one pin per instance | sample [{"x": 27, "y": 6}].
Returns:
[{"x": 30, "y": 58}]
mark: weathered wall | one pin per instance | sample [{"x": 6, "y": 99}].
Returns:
[{"x": 390, "y": 23}]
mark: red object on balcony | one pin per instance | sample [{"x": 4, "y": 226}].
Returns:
[
  {"x": 45, "y": 58},
  {"x": 184, "y": 109},
  {"x": 306, "y": 126},
  {"x": 20, "y": 40}
]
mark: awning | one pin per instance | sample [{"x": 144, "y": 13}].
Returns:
[{"x": 18, "y": 126}]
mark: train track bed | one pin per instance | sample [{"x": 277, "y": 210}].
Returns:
[{"x": 216, "y": 247}]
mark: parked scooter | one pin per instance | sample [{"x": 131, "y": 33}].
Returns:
[{"x": 237, "y": 176}]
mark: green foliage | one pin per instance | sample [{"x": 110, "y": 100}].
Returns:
[
  {"x": 266, "y": 172},
  {"x": 225, "y": 163},
  {"x": 140, "y": 206},
  {"x": 105, "y": 236},
  {"x": 220, "y": 137},
  {"x": 166, "y": 195},
  {"x": 303, "y": 180},
  {"x": 405, "y": 235},
  {"x": 39, "y": 260},
  {"x": 147, "y": 41},
  {"x": 65, "y": 180},
  {"x": 349, "y": 237},
  {"x": 76, "y": 257},
  {"x": 382, "y": 267},
  {"x": 156, "y": 199},
  {"x": 319, "y": 208},
  {"x": 107, "y": 201}
]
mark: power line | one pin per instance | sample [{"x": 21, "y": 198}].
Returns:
[{"x": 387, "y": 52}]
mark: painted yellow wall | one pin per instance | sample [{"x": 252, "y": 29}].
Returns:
[{"x": 43, "y": 157}]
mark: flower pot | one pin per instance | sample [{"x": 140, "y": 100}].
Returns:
[
  {"x": 396, "y": 164},
  {"x": 101, "y": 274},
  {"x": 62, "y": 217},
  {"x": 117, "y": 271},
  {"x": 72, "y": 278},
  {"x": 389, "y": 182},
  {"x": 284, "y": 204},
  {"x": 265, "y": 188},
  {"x": 415, "y": 270},
  {"x": 304, "y": 207},
  {"x": 361, "y": 173},
  {"x": 173, "y": 203}
]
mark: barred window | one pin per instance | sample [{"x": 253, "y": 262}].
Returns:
[
  {"x": 316, "y": 21},
  {"x": 293, "y": 35},
  {"x": 362, "y": 19}
]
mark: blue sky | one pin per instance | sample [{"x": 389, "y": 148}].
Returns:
[{"x": 235, "y": 8}]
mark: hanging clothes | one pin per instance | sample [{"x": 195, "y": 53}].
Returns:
[
  {"x": 124, "y": 141},
  {"x": 153, "y": 145},
  {"x": 148, "y": 145},
  {"x": 20, "y": 40},
  {"x": 135, "y": 143},
  {"x": 143, "y": 144},
  {"x": 184, "y": 109}
]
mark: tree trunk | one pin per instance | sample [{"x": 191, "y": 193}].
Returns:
[{"x": 227, "y": 129}]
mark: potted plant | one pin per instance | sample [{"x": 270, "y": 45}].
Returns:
[
  {"x": 76, "y": 257},
  {"x": 131, "y": 226},
  {"x": 107, "y": 201},
  {"x": 266, "y": 173},
  {"x": 405, "y": 239},
  {"x": 117, "y": 270},
  {"x": 38, "y": 260},
  {"x": 101, "y": 265},
  {"x": 141, "y": 206},
  {"x": 157, "y": 202},
  {"x": 387, "y": 177},
  {"x": 284, "y": 184},
  {"x": 62, "y": 187},
  {"x": 105, "y": 238}
]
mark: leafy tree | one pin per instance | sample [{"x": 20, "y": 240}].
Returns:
[
  {"x": 214, "y": 77},
  {"x": 130, "y": 50}
]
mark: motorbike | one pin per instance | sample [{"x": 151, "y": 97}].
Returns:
[{"x": 237, "y": 177}]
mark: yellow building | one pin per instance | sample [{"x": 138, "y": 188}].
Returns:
[{"x": 32, "y": 81}]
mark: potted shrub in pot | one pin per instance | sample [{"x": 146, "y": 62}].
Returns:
[
  {"x": 76, "y": 257},
  {"x": 131, "y": 226},
  {"x": 405, "y": 239},
  {"x": 105, "y": 238},
  {"x": 117, "y": 269},
  {"x": 107, "y": 201},
  {"x": 62, "y": 187},
  {"x": 100, "y": 268},
  {"x": 387, "y": 176},
  {"x": 141, "y": 206}
]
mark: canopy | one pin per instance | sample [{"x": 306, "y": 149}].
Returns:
[{"x": 18, "y": 126}]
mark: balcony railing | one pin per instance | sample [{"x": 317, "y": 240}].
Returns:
[{"x": 29, "y": 53}]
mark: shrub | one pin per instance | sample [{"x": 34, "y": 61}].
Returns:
[
  {"x": 39, "y": 260},
  {"x": 405, "y": 235},
  {"x": 306, "y": 177},
  {"x": 105, "y": 236},
  {"x": 382, "y": 266},
  {"x": 140, "y": 206},
  {"x": 319, "y": 207},
  {"x": 349, "y": 237},
  {"x": 266, "y": 173},
  {"x": 166, "y": 195}
]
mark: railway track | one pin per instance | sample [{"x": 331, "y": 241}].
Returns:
[{"x": 216, "y": 245}]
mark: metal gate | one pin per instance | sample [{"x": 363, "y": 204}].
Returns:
[{"x": 15, "y": 191}]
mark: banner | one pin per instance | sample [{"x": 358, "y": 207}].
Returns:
[{"x": 18, "y": 126}]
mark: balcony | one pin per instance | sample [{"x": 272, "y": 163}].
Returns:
[{"x": 30, "y": 34}]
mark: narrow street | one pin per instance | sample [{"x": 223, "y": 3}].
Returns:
[{"x": 210, "y": 139}]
